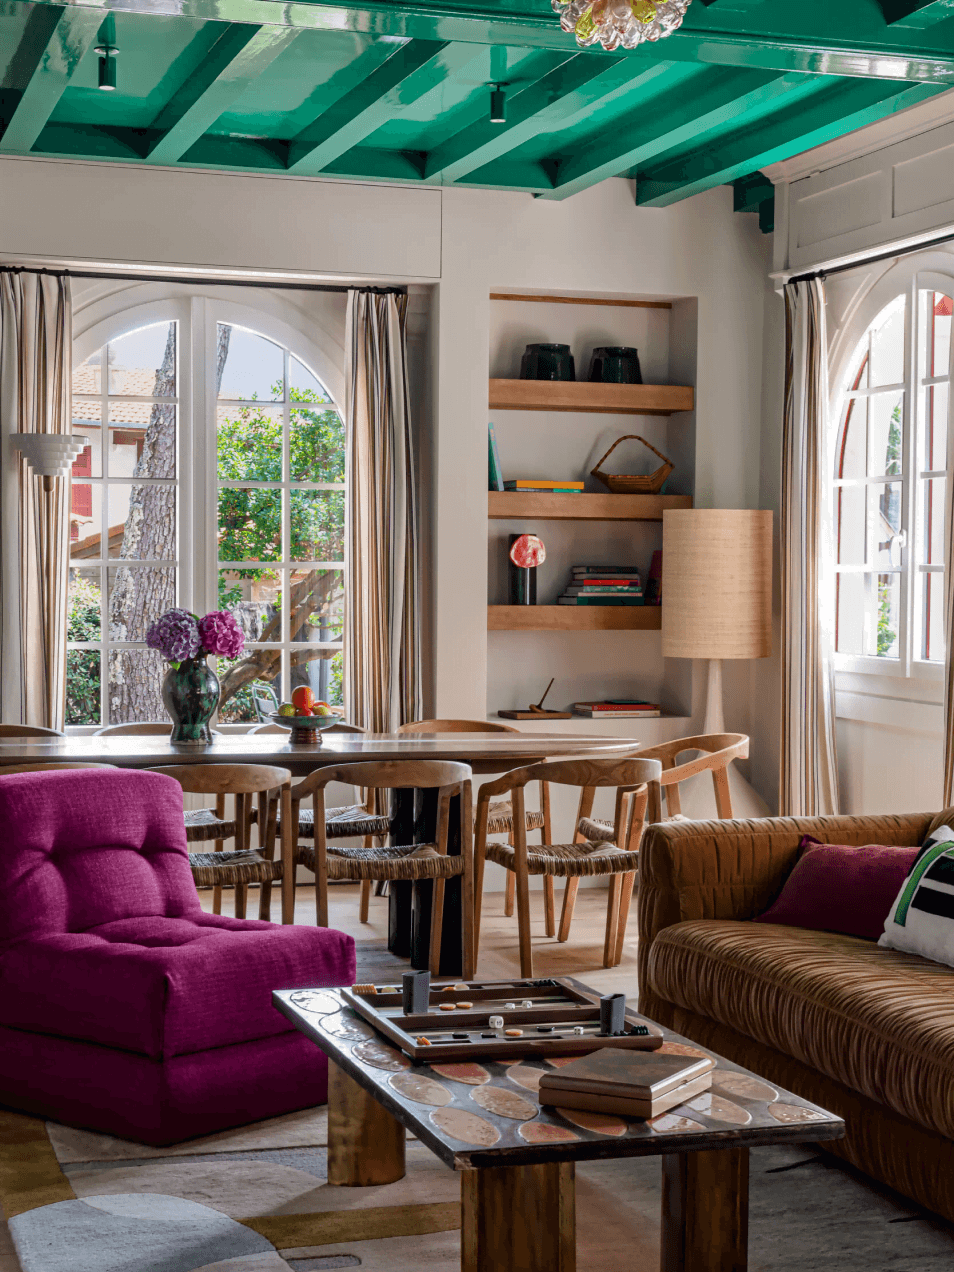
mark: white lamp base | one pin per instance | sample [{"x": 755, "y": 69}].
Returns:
[{"x": 697, "y": 796}]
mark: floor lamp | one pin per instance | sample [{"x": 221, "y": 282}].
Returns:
[{"x": 717, "y": 604}]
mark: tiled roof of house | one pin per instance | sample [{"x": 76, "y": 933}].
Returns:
[{"x": 138, "y": 381}]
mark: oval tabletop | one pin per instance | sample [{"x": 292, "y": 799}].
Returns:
[{"x": 484, "y": 752}]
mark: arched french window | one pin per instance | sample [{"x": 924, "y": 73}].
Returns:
[
  {"x": 214, "y": 479},
  {"x": 889, "y": 483}
]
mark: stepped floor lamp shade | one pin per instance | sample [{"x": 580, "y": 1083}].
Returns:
[{"x": 717, "y": 599}]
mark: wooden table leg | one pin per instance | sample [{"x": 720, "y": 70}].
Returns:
[
  {"x": 705, "y": 1211},
  {"x": 518, "y": 1217},
  {"x": 365, "y": 1143}
]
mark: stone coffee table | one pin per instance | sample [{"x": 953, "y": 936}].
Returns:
[{"x": 517, "y": 1160}]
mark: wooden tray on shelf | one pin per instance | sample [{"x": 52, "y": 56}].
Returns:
[{"x": 558, "y": 1006}]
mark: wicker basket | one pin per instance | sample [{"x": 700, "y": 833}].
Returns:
[{"x": 623, "y": 484}]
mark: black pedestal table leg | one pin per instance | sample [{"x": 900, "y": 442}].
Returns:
[
  {"x": 425, "y": 830},
  {"x": 401, "y": 894}
]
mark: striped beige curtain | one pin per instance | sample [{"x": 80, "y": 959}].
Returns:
[
  {"x": 808, "y": 779},
  {"x": 35, "y": 373},
  {"x": 949, "y": 633},
  {"x": 382, "y": 645}
]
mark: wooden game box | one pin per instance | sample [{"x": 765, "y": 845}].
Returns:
[{"x": 556, "y": 1016}]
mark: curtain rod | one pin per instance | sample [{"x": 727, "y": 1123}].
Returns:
[
  {"x": 204, "y": 282},
  {"x": 871, "y": 260}
]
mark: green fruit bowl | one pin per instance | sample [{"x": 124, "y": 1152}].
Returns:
[{"x": 305, "y": 730}]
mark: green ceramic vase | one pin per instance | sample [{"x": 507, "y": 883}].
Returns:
[{"x": 190, "y": 693}]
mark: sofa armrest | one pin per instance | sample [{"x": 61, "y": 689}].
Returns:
[{"x": 736, "y": 869}]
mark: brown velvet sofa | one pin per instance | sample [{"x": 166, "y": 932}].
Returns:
[{"x": 865, "y": 1032}]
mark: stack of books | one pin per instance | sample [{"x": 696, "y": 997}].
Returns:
[
  {"x": 545, "y": 487},
  {"x": 603, "y": 585},
  {"x": 617, "y": 709},
  {"x": 639, "y": 1084}
]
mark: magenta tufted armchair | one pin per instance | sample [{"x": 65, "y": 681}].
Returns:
[{"x": 124, "y": 1007}]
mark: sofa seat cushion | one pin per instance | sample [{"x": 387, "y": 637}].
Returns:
[
  {"x": 878, "y": 1021},
  {"x": 165, "y": 987}
]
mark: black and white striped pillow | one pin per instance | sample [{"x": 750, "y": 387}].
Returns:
[{"x": 921, "y": 920}]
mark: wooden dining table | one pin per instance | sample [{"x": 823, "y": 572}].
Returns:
[{"x": 414, "y": 813}]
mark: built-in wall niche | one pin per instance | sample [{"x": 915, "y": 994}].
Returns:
[{"x": 535, "y": 442}]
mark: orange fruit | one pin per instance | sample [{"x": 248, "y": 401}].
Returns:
[{"x": 304, "y": 696}]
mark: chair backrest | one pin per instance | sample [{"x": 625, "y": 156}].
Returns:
[
  {"x": 28, "y": 731},
  {"x": 387, "y": 775},
  {"x": 455, "y": 726},
  {"x": 226, "y": 779},
  {"x": 340, "y": 727},
  {"x": 143, "y": 728},
  {"x": 7, "y": 769},
  {"x": 91, "y": 847},
  {"x": 719, "y": 750},
  {"x": 583, "y": 772}
]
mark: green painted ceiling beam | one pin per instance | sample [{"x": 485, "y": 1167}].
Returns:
[
  {"x": 749, "y": 193},
  {"x": 239, "y": 54},
  {"x": 571, "y": 89},
  {"x": 411, "y": 71},
  {"x": 722, "y": 97},
  {"x": 537, "y": 27},
  {"x": 916, "y": 14},
  {"x": 800, "y": 127},
  {"x": 53, "y": 46}
]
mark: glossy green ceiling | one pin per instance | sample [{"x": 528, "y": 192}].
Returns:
[{"x": 399, "y": 92}]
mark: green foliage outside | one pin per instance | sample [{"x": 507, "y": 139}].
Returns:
[
  {"x": 82, "y": 665},
  {"x": 250, "y": 520}
]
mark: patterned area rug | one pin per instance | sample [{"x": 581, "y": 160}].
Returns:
[{"x": 257, "y": 1199}]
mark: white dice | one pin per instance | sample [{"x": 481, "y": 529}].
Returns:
[{"x": 496, "y": 1022}]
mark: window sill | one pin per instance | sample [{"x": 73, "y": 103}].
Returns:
[{"x": 888, "y": 702}]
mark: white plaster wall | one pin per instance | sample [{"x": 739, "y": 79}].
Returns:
[{"x": 711, "y": 262}]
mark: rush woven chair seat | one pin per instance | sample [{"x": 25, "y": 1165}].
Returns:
[
  {"x": 244, "y": 865},
  {"x": 411, "y": 862},
  {"x": 568, "y": 861}
]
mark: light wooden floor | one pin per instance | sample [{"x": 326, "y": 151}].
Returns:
[{"x": 581, "y": 955}]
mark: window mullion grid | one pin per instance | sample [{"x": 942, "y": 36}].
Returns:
[
  {"x": 103, "y": 533},
  {"x": 908, "y": 628}
]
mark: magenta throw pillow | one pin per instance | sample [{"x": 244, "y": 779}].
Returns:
[{"x": 836, "y": 888}]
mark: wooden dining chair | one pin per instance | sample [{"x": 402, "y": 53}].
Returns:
[
  {"x": 28, "y": 731},
  {"x": 718, "y": 752},
  {"x": 244, "y": 866},
  {"x": 356, "y": 821},
  {"x": 408, "y": 862},
  {"x": 500, "y": 816},
  {"x": 615, "y": 858}
]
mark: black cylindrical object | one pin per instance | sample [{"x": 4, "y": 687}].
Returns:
[{"x": 523, "y": 580}]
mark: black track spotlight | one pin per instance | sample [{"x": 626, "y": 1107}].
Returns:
[
  {"x": 107, "y": 66},
  {"x": 498, "y": 104}
]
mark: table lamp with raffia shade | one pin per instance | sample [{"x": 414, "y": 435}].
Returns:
[{"x": 717, "y": 602}]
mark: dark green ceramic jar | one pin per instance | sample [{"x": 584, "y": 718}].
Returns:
[{"x": 190, "y": 693}]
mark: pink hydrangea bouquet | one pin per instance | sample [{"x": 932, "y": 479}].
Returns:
[{"x": 179, "y": 635}]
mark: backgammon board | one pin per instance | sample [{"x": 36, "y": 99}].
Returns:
[{"x": 497, "y": 1020}]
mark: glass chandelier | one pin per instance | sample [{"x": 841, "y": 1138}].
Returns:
[{"x": 620, "y": 22}]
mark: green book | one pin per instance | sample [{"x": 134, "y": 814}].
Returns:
[{"x": 495, "y": 481}]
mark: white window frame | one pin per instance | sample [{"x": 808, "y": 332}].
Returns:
[
  {"x": 274, "y": 315},
  {"x": 907, "y": 677}
]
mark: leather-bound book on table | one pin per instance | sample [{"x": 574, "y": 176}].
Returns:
[{"x": 631, "y": 1083}]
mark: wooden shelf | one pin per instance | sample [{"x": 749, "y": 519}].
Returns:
[
  {"x": 581, "y": 395},
  {"x": 574, "y": 618},
  {"x": 514, "y": 505}
]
